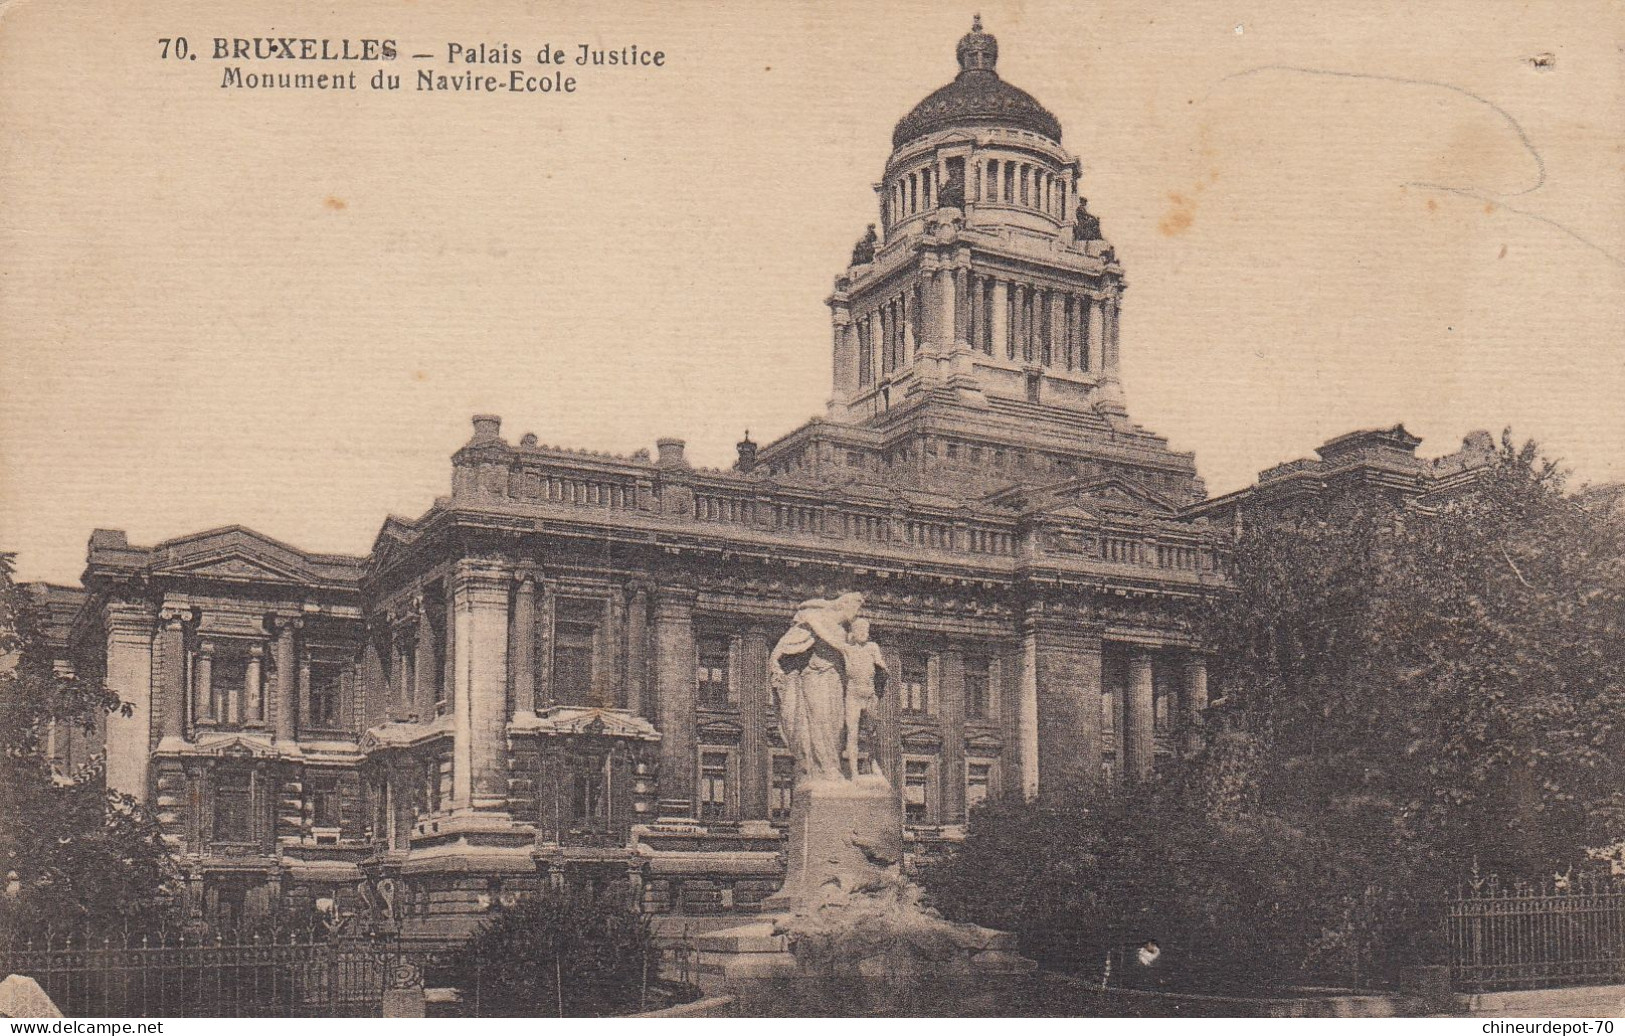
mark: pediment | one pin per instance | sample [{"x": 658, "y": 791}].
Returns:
[
  {"x": 720, "y": 732},
  {"x": 234, "y": 553},
  {"x": 570, "y": 719},
  {"x": 1088, "y": 497},
  {"x": 922, "y": 740}
]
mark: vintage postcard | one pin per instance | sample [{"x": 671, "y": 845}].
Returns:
[{"x": 524, "y": 509}]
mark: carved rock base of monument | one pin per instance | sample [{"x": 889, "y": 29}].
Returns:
[
  {"x": 847, "y": 915},
  {"x": 844, "y": 836}
]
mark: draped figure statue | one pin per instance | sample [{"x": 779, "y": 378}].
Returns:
[{"x": 809, "y": 670}]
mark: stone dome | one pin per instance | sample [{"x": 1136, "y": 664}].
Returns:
[{"x": 977, "y": 97}]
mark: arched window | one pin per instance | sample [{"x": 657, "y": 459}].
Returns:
[{"x": 1009, "y": 183}]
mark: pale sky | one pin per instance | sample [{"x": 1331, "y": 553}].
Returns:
[{"x": 280, "y": 309}]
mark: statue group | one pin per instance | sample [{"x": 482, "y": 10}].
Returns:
[{"x": 826, "y": 674}]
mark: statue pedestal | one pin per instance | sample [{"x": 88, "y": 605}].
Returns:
[
  {"x": 849, "y": 931},
  {"x": 844, "y": 835}
]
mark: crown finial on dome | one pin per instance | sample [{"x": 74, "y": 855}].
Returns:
[{"x": 978, "y": 51}]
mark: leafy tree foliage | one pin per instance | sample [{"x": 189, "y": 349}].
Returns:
[
  {"x": 1449, "y": 680},
  {"x": 77, "y": 857},
  {"x": 566, "y": 952},
  {"x": 1409, "y": 694}
]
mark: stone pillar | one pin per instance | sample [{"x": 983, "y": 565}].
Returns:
[
  {"x": 129, "y": 629},
  {"x": 254, "y": 686},
  {"x": 1027, "y": 716},
  {"x": 1057, "y": 328},
  {"x": 1067, "y": 663},
  {"x": 544, "y": 651},
  {"x": 961, "y": 283},
  {"x": 951, "y": 681},
  {"x": 203, "y": 690},
  {"x": 1114, "y": 312},
  {"x": 947, "y": 314},
  {"x": 846, "y": 356},
  {"x": 524, "y": 643},
  {"x": 675, "y": 691},
  {"x": 1097, "y": 330},
  {"x": 888, "y": 754},
  {"x": 169, "y": 707},
  {"x": 423, "y": 666},
  {"x": 1193, "y": 702},
  {"x": 1138, "y": 718},
  {"x": 1001, "y": 319},
  {"x": 637, "y": 651},
  {"x": 287, "y": 680},
  {"x": 1023, "y": 328},
  {"x": 755, "y": 708},
  {"x": 480, "y": 616},
  {"x": 973, "y": 305}
]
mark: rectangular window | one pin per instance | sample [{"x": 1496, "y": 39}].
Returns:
[
  {"x": 783, "y": 787},
  {"x": 234, "y": 808},
  {"x": 978, "y": 784},
  {"x": 713, "y": 785},
  {"x": 326, "y": 683},
  {"x": 915, "y": 679},
  {"x": 917, "y": 791},
  {"x": 978, "y": 688},
  {"x": 228, "y": 678},
  {"x": 572, "y": 663},
  {"x": 713, "y": 672},
  {"x": 324, "y": 802},
  {"x": 588, "y": 803}
]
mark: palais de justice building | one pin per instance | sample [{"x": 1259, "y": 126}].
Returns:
[{"x": 559, "y": 671}]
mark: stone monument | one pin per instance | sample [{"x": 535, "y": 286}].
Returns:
[{"x": 846, "y": 910}]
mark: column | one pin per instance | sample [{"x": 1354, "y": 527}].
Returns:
[
  {"x": 524, "y": 643},
  {"x": 129, "y": 630},
  {"x": 254, "y": 686},
  {"x": 845, "y": 377},
  {"x": 423, "y": 665},
  {"x": 1069, "y": 678},
  {"x": 1057, "y": 328},
  {"x": 480, "y": 615},
  {"x": 755, "y": 708},
  {"x": 544, "y": 650},
  {"x": 675, "y": 690},
  {"x": 1138, "y": 719},
  {"x": 287, "y": 679},
  {"x": 978, "y": 314},
  {"x": 1024, "y": 342},
  {"x": 1027, "y": 716},
  {"x": 1097, "y": 334},
  {"x": 169, "y": 707},
  {"x": 962, "y": 326},
  {"x": 637, "y": 651},
  {"x": 952, "y": 713},
  {"x": 203, "y": 692},
  {"x": 887, "y": 354},
  {"x": 1113, "y": 314},
  {"x": 1193, "y": 702},
  {"x": 1000, "y": 319},
  {"x": 947, "y": 314},
  {"x": 888, "y": 754}
]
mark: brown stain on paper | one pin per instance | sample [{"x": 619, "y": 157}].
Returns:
[{"x": 335, "y": 204}]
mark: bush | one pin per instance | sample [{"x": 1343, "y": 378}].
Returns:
[{"x": 564, "y": 952}]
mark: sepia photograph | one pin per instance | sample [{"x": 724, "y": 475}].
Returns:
[{"x": 729, "y": 509}]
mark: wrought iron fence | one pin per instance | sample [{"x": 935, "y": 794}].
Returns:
[
  {"x": 1526, "y": 936},
  {"x": 217, "y": 976}
]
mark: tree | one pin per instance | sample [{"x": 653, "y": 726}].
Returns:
[
  {"x": 78, "y": 858},
  {"x": 1411, "y": 692},
  {"x": 1442, "y": 681},
  {"x": 566, "y": 952}
]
